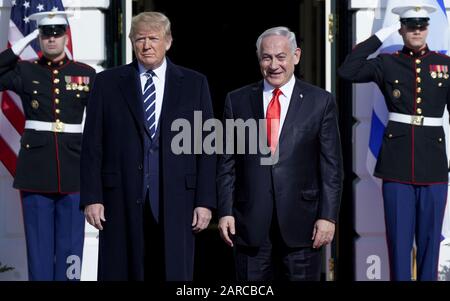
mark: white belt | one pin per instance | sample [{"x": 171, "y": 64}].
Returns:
[
  {"x": 416, "y": 120},
  {"x": 57, "y": 127}
]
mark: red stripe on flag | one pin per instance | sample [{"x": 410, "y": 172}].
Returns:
[
  {"x": 8, "y": 157},
  {"x": 69, "y": 44},
  {"x": 13, "y": 113}
]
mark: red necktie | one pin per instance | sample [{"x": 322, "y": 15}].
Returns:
[{"x": 273, "y": 120}]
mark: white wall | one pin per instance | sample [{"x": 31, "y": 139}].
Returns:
[{"x": 88, "y": 34}]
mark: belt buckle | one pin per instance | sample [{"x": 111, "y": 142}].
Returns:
[
  {"x": 417, "y": 120},
  {"x": 58, "y": 127}
]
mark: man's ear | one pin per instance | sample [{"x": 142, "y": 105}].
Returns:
[
  {"x": 169, "y": 43},
  {"x": 298, "y": 55}
]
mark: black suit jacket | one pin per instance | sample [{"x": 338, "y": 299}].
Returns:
[{"x": 305, "y": 183}]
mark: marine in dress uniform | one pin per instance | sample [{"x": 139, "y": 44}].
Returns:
[
  {"x": 54, "y": 92},
  {"x": 412, "y": 161}
]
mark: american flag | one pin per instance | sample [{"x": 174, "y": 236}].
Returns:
[{"x": 12, "y": 119}]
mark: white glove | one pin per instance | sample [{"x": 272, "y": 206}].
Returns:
[
  {"x": 20, "y": 45},
  {"x": 384, "y": 33}
]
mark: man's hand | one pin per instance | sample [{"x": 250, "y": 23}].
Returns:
[
  {"x": 227, "y": 227},
  {"x": 95, "y": 214},
  {"x": 386, "y": 32},
  {"x": 323, "y": 233},
  {"x": 20, "y": 45},
  {"x": 201, "y": 219}
]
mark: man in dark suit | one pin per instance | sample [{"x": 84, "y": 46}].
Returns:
[
  {"x": 147, "y": 201},
  {"x": 278, "y": 216},
  {"x": 412, "y": 161},
  {"x": 54, "y": 91}
]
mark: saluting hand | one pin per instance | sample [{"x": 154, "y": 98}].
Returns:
[{"x": 95, "y": 214}]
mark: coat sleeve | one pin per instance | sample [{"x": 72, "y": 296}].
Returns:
[
  {"x": 358, "y": 68},
  {"x": 10, "y": 78},
  {"x": 91, "y": 152},
  {"x": 226, "y": 176},
  {"x": 206, "y": 163},
  {"x": 331, "y": 168}
]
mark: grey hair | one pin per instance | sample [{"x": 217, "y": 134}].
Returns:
[
  {"x": 153, "y": 20},
  {"x": 277, "y": 31}
]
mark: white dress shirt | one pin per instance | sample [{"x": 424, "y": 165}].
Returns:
[
  {"x": 285, "y": 99},
  {"x": 159, "y": 80}
]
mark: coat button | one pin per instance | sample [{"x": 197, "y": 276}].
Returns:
[
  {"x": 56, "y": 81},
  {"x": 139, "y": 201},
  {"x": 140, "y": 167},
  {"x": 418, "y": 70},
  {"x": 419, "y": 111},
  {"x": 440, "y": 139},
  {"x": 419, "y": 80},
  {"x": 419, "y": 100},
  {"x": 419, "y": 90},
  {"x": 418, "y": 61},
  {"x": 390, "y": 136}
]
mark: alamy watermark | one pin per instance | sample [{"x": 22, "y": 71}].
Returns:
[{"x": 235, "y": 137}]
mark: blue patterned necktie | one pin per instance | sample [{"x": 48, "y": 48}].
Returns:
[{"x": 149, "y": 97}]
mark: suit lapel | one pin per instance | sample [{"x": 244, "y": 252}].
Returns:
[
  {"x": 172, "y": 93},
  {"x": 257, "y": 101},
  {"x": 130, "y": 87},
  {"x": 298, "y": 94}
]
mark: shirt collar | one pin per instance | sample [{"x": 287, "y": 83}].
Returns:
[
  {"x": 413, "y": 53},
  {"x": 286, "y": 89},
  {"x": 160, "y": 72},
  {"x": 46, "y": 62}
]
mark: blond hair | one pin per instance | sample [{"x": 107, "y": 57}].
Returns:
[{"x": 153, "y": 20}]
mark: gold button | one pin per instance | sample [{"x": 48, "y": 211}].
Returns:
[
  {"x": 419, "y": 80},
  {"x": 418, "y": 70},
  {"x": 57, "y": 100},
  {"x": 419, "y": 100},
  {"x": 396, "y": 81},
  {"x": 27, "y": 146},
  {"x": 440, "y": 84},
  {"x": 57, "y": 111},
  {"x": 390, "y": 135},
  {"x": 411, "y": 53},
  {"x": 56, "y": 81},
  {"x": 49, "y": 63},
  {"x": 418, "y": 61},
  {"x": 35, "y": 92},
  {"x": 78, "y": 95},
  {"x": 57, "y": 91},
  {"x": 58, "y": 121},
  {"x": 35, "y": 62},
  {"x": 440, "y": 139},
  {"x": 61, "y": 63},
  {"x": 55, "y": 72},
  {"x": 419, "y": 90},
  {"x": 419, "y": 111}
]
